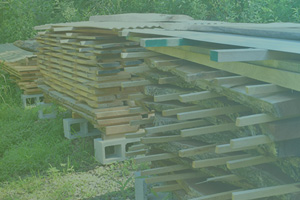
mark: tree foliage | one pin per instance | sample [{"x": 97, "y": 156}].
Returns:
[{"x": 18, "y": 17}]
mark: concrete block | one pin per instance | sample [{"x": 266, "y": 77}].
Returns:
[
  {"x": 140, "y": 187},
  {"x": 33, "y": 99},
  {"x": 41, "y": 114},
  {"x": 83, "y": 131},
  {"x": 108, "y": 151}
]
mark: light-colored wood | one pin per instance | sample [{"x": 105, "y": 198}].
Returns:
[
  {"x": 118, "y": 129},
  {"x": 208, "y": 130},
  {"x": 137, "y": 152},
  {"x": 138, "y": 147},
  {"x": 218, "y": 196},
  {"x": 198, "y": 96},
  {"x": 167, "y": 188},
  {"x": 232, "y": 81},
  {"x": 251, "y": 141},
  {"x": 226, "y": 148},
  {"x": 138, "y": 55},
  {"x": 135, "y": 83},
  {"x": 196, "y": 150},
  {"x": 225, "y": 178},
  {"x": 254, "y": 119},
  {"x": 240, "y": 55},
  {"x": 159, "y": 42},
  {"x": 138, "y": 134},
  {"x": 116, "y": 121},
  {"x": 175, "y": 111},
  {"x": 173, "y": 177},
  {"x": 246, "y": 162},
  {"x": 263, "y": 89},
  {"x": 162, "y": 156},
  {"x": 217, "y": 161},
  {"x": 175, "y": 126},
  {"x": 165, "y": 169},
  {"x": 137, "y": 69},
  {"x": 166, "y": 97},
  {"x": 161, "y": 139},
  {"x": 278, "y": 77},
  {"x": 137, "y": 96},
  {"x": 211, "y": 112},
  {"x": 142, "y": 121},
  {"x": 266, "y": 192}
]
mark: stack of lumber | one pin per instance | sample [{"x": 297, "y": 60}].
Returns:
[
  {"x": 226, "y": 121},
  {"x": 21, "y": 65},
  {"x": 85, "y": 67}
]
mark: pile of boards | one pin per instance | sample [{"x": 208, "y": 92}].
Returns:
[
  {"x": 226, "y": 110},
  {"x": 22, "y": 67},
  {"x": 219, "y": 102},
  {"x": 86, "y": 67}
]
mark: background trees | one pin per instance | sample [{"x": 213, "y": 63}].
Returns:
[{"x": 17, "y": 17}]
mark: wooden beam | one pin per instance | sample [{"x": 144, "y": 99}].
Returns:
[
  {"x": 135, "y": 83},
  {"x": 196, "y": 150},
  {"x": 137, "y": 69},
  {"x": 278, "y": 77},
  {"x": 254, "y": 119},
  {"x": 225, "y": 178},
  {"x": 218, "y": 196},
  {"x": 166, "y": 97},
  {"x": 246, "y": 162},
  {"x": 266, "y": 192},
  {"x": 142, "y": 121},
  {"x": 208, "y": 130},
  {"x": 173, "y": 177},
  {"x": 138, "y": 147},
  {"x": 162, "y": 156},
  {"x": 136, "y": 152},
  {"x": 217, "y": 161},
  {"x": 211, "y": 112},
  {"x": 174, "y": 111},
  {"x": 251, "y": 141},
  {"x": 167, "y": 188},
  {"x": 164, "y": 42},
  {"x": 175, "y": 126},
  {"x": 168, "y": 80},
  {"x": 232, "y": 81},
  {"x": 198, "y": 96},
  {"x": 138, "y": 55},
  {"x": 226, "y": 148},
  {"x": 165, "y": 169},
  {"x": 240, "y": 55},
  {"x": 263, "y": 89},
  {"x": 161, "y": 139}
]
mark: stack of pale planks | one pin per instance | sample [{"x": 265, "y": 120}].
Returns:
[
  {"x": 21, "y": 65},
  {"x": 86, "y": 65},
  {"x": 227, "y": 120}
]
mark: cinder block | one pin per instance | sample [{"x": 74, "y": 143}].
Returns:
[
  {"x": 33, "y": 99},
  {"x": 70, "y": 133},
  {"x": 108, "y": 151},
  {"x": 41, "y": 114},
  {"x": 140, "y": 187}
]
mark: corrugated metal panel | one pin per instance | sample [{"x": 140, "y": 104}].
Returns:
[{"x": 11, "y": 53}]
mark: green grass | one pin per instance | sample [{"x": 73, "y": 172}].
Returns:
[{"x": 29, "y": 145}]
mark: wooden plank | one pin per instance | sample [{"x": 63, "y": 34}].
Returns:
[
  {"x": 164, "y": 42},
  {"x": 241, "y": 55},
  {"x": 232, "y": 81},
  {"x": 161, "y": 139},
  {"x": 254, "y": 119},
  {"x": 251, "y": 141},
  {"x": 118, "y": 129},
  {"x": 166, "y": 97},
  {"x": 266, "y": 192},
  {"x": 162, "y": 170},
  {"x": 137, "y": 69},
  {"x": 146, "y": 121},
  {"x": 198, "y": 96},
  {"x": 135, "y": 83},
  {"x": 263, "y": 89},
  {"x": 217, "y": 161},
  {"x": 246, "y": 162},
  {"x": 174, "y": 111},
  {"x": 196, "y": 150},
  {"x": 208, "y": 130},
  {"x": 156, "y": 157},
  {"x": 135, "y": 135},
  {"x": 226, "y": 148},
  {"x": 218, "y": 196},
  {"x": 116, "y": 121},
  {"x": 138, "y": 54},
  {"x": 173, "y": 177},
  {"x": 168, "y": 80},
  {"x": 211, "y": 112},
  {"x": 225, "y": 178},
  {"x": 167, "y": 188},
  {"x": 175, "y": 126},
  {"x": 136, "y": 152},
  {"x": 138, "y": 147},
  {"x": 277, "y": 77}
]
